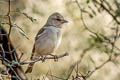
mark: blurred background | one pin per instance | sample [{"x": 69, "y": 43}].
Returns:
[{"x": 76, "y": 39}]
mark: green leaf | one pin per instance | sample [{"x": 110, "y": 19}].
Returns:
[
  {"x": 91, "y": 16},
  {"x": 117, "y": 12},
  {"x": 88, "y": 1}
]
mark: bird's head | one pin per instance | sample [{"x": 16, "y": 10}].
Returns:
[{"x": 56, "y": 19}]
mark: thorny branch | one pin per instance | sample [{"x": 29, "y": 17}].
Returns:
[
  {"x": 112, "y": 43},
  {"x": 11, "y": 60},
  {"x": 72, "y": 67}
]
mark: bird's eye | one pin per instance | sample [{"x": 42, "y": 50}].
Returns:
[{"x": 58, "y": 19}]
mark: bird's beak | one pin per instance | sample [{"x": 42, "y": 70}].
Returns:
[{"x": 65, "y": 21}]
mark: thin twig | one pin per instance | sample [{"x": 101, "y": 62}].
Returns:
[
  {"x": 97, "y": 68},
  {"x": 3, "y": 52},
  {"x": 21, "y": 56}
]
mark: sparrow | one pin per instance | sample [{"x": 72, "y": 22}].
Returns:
[{"x": 48, "y": 38}]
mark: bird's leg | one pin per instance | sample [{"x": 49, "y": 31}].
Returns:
[
  {"x": 55, "y": 57},
  {"x": 43, "y": 58}
]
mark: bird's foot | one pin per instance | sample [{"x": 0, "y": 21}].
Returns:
[
  {"x": 55, "y": 58},
  {"x": 43, "y": 58}
]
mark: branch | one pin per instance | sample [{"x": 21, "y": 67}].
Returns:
[
  {"x": 97, "y": 68},
  {"x": 72, "y": 67},
  {"x": 47, "y": 57},
  {"x": 14, "y": 70},
  {"x": 108, "y": 11},
  {"x": 97, "y": 35},
  {"x": 21, "y": 31},
  {"x": 100, "y": 36},
  {"x": 10, "y": 24}
]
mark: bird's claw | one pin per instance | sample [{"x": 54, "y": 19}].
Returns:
[
  {"x": 43, "y": 58},
  {"x": 55, "y": 58}
]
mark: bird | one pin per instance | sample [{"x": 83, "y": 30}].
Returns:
[{"x": 48, "y": 38}]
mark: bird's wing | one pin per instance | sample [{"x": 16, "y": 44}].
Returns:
[
  {"x": 36, "y": 38},
  {"x": 41, "y": 31}
]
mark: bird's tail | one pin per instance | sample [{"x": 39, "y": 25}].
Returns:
[{"x": 30, "y": 67}]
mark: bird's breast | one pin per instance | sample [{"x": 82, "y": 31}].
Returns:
[
  {"x": 49, "y": 41},
  {"x": 55, "y": 36}
]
